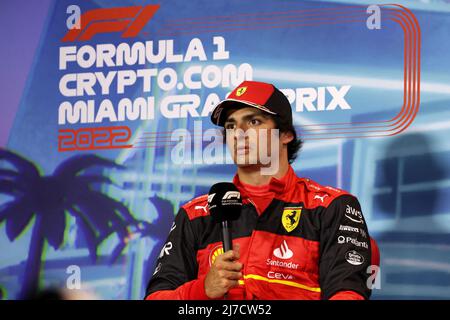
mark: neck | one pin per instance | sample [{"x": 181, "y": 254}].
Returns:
[{"x": 252, "y": 174}]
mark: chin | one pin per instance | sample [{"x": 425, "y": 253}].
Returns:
[{"x": 247, "y": 165}]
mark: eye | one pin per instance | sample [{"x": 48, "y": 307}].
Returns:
[
  {"x": 229, "y": 125},
  {"x": 255, "y": 122}
]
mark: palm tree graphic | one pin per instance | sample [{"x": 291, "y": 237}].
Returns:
[
  {"x": 49, "y": 199},
  {"x": 158, "y": 231}
]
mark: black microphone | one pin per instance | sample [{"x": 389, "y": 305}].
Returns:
[{"x": 225, "y": 204}]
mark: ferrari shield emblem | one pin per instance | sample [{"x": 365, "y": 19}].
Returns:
[
  {"x": 291, "y": 217},
  {"x": 240, "y": 91}
]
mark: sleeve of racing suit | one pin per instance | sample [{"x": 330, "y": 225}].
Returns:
[
  {"x": 347, "y": 295},
  {"x": 344, "y": 249},
  {"x": 175, "y": 276}
]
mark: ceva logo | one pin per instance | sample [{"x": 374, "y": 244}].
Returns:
[{"x": 128, "y": 20}]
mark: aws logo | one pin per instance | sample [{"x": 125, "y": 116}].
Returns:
[{"x": 127, "y": 20}]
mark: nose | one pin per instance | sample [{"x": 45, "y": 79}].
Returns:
[{"x": 239, "y": 133}]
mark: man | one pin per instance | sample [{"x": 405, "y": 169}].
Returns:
[{"x": 295, "y": 239}]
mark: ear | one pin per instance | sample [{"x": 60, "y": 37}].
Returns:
[{"x": 286, "y": 137}]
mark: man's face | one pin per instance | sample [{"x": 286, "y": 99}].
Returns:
[{"x": 250, "y": 135}]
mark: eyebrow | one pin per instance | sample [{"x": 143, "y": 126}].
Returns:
[{"x": 248, "y": 116}]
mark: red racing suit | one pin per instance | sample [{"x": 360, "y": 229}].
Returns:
[{"x": 311, "y": 242}]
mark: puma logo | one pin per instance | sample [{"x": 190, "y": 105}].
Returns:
[
  {"x": 320, "y": 197},
  {"x": 201, "y": 207}
]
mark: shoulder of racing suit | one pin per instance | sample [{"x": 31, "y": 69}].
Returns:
[
  {"x": 314, "y": 195},
  {"x": 197, "y": 207},
  {"x": 306, "y": 190}
]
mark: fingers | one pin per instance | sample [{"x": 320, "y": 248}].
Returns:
[
  {"x": 230, "y": 275},
  {"x": 232, "y": 254},
  {"x": 229, "y": 260},
  {"x": 219, "y": 279},
  {"x": 227, "y": 265},
  {"x": 224, "y": 274}
]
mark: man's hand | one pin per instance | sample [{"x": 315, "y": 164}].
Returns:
[{"x": 224, "y": 274}]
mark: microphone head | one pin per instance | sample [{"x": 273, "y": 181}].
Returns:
[{"x": 224, "y": 202}]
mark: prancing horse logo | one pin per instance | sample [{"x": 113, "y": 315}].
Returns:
[
  {"x": 291, "y": 218},
  {"x": 240, "y": 91}
]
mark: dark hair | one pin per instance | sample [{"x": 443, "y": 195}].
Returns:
[
  {"x": 296, "y": 144},
  {"x": 293, "y": 147}
]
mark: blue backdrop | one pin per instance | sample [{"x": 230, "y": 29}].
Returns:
[{"x": 370, "y": 95}]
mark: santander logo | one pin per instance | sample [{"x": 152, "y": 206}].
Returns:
[{"x": 283, "y": 252}]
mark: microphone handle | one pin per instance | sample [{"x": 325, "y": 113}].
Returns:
[{"x": 226, "y": 236}]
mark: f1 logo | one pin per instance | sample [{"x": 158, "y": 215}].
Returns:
[
  {"x": 231, "y": 194},
  {"x": 129, "y": 20}
]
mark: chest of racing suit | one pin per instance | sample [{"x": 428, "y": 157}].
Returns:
[{"x": 311, "y": 242}]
